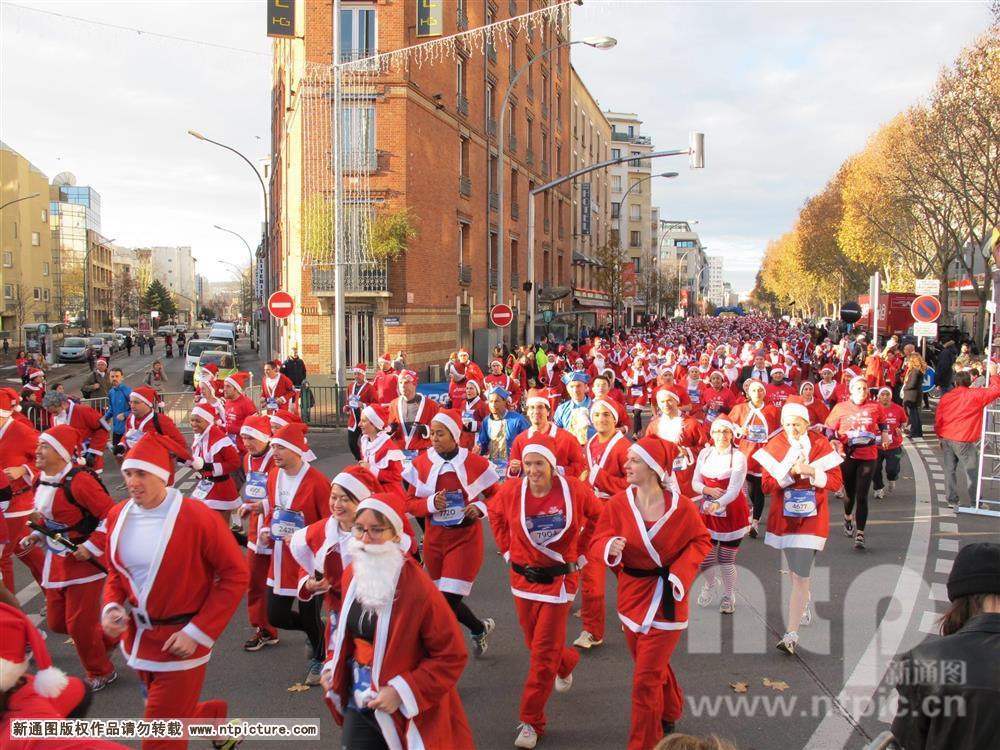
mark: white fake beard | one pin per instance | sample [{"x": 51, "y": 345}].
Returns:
[{"x": 376, "y": 570}]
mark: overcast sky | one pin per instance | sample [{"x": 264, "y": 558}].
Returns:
[{"x": 783, "y": 91}]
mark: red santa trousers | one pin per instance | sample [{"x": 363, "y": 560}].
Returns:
[
  {"x": 34, "y": 558},
  {"x": 656, "y": 695},
  {"x": 76, "y": 611},
  {"x": 592, "y": 582},
  {"x": 174, "y": 695},
  {"x": 257, "y": 591},
  {"x": 544, "y": 627}
]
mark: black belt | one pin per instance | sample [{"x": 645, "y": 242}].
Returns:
[
  {"x": 465, "y": 522},
  {"x": 216, "y": 480},
  {"x": 667, "y": 600},
  {"x": 153, "y": 622},
  {"x": 534, "y": 574}
]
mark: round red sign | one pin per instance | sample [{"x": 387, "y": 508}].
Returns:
[
  {"x": 501, "y": 315},
  {"x": 926, "y": 309},
  {"x": 280, "y": 304}
]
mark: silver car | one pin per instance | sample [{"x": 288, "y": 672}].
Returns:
[{"x": 73, "y": 349}]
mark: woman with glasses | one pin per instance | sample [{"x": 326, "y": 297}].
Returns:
[{"x": 398, "y": 653}]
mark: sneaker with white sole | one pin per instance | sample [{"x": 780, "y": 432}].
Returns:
[
  {"x": 527, "y": 737},
  {"x": 563, "y": 684},
  {"x": 754, "y": 528},
  {"x": 101, "y": 682},
  {"x": 788, "y": 643},
  {"x": 891, "y": 486},
  {"x": 587, "y": 640},
  {"x": 839, "y": 495},
  {"x": 879, "y": 494},
  {"x": 848, "y": 526},
  {"x": 480, "y": 642},
  {"x": 315, "y": 672},
  {"x": 727, "y": 606},
  {"x": 261, "y": 638},
  {"x": 707, "y": 595}
]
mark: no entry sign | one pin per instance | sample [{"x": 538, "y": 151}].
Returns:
[
  {"x": 501, "y": 315},
  {"x": 926, "y": 309},
  {"x": 280, "y": 304}
]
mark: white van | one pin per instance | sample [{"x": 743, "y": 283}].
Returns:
[
  {"x": 193, "y": 351},
  {"x": 123, "y": 332},
  {"x": 223, "y": 334}
]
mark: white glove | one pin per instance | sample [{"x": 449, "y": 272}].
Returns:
[{"x": 197, "y": 463}]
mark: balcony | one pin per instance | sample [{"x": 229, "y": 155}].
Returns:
[
  {"x": 640, "y": 164},
  {"x": 494, "y": 201},
  {"x": 462, "y": 21},
  {"x": 515, "y": 211},
  {"x": 464, "y": 275},
  {"x": 515, "y": 280},
  {"x": 491, "y": 128},
  {"x": 358, "y": 279},
  {"x": 356, "y": 55},
  {"x": 511, "y": 144},
  {"x": 464, "y": 186},
  {"x": 462, "y": 105},
  {"x": 491, "y": 53}
]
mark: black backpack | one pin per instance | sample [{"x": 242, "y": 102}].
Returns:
[{"x": 86, "y": 525}]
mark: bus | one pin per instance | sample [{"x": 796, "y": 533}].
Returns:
[{"x": 35, "y": 341}]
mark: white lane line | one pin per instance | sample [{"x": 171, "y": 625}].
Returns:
[
  {"x": 948, "y": 528},
  {"x": 928, "y": 623},
  {"x": 943, "y": 566},
  {"x": 28, "y": 593},
  {"x": 939, "y": 592},
  {"x": 948, "y": 545}
]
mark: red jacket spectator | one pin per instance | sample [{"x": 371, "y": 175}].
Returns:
[{"x": 960, "y": 412}]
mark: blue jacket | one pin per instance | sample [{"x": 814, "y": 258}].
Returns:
[
  {"x": 516, "y": 424},
  {"x": 565, "y": 410},
  {"x": 118, "y": 404}
]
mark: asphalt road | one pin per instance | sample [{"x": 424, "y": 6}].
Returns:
[{"x": 868, "y": 606}]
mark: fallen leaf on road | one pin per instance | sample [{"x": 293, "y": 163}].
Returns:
[
  {"x": 298, "y": 687},
  {"x": 778, "y": 685},
  {"x": 738, "y": 687},
  {"x": 68, "y": 642}
]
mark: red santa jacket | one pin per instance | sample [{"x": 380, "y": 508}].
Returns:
[
  {"x": 895, "y": 418},
  {"x": 473, "y": 415},
  {"x": 359, "y": 395},
  {"x": 776, "y": 459},
  {"x": 674, "y": 546},
  {"x": 19, "y": 441},
  {"x": 418, "y": 650},
  {"x": 959, "y": 414},
  {"x": 716, "y": 401},
  {"x": 384, "y": 459},
  {"x": 236, "y": 412},
  {"x": 776, "y": 395},
  {"x": 757, "y": 426},
  {"x": 386, "y": 385},
  {"x": 514, "y": 527},
  {"x": 310, "y": 496},
  {"x": 136, "y": 428},
  {"x": 606, "y": 464},
  {"x": 197, "y": 574},
  {"x": 832, "y": 393},
  {"x": 321, "y": 547},
  {"x": 475, "y": 475},
  {"x": 93, "y": 434},
  {"x": 410, "y": 437},
  {"x": 216, "y": 487},
  {"x": 507, "y": 383},
  {"x": 569, "y": 456},
  {"x": 276, "y": 394}
]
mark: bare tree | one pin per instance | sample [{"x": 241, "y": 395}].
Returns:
[{"x": 19, "y": 305}]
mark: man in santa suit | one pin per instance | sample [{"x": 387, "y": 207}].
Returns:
[
  {"x": 687, "y": 433},
  {"x": 776, "y": 392},
  {"x": 601, "y": 387},
  {"x": 568, "y": 450},
  {"x": 717, "y": 398},
  {"x": 360, "y": 393},
  {"x": 757, "y": 422},
  {"x": 467, "y": 367},
  {"x": 693, "y": 387},
  {"x": 606, "y": 453},
  {"x": 410, "y": 414},
  {"x": 499, "y": 379},
  {"x": 257, "y": 466},
  {"x": 398, "y": 654},
  {"x": 144, "y": 420},
  {"x": 215, "y": 459},
  {"x": 665, "y": 379},
  {"x": 655, "y": 538},
  {"x": 732, "y": 373},
  {"x": 237, "y": 407},
  {"x": 449, "y": 486},
  {"x": 177, "y": 568},
  {"x": 297, "y": 495},
  {"x": 72, "y": 502},
  {"x": 85, "y": 420},
  {"x": 538, "y": 522},
  {"x": 793, "y": 373},
  {"x": 550, "y": 375},
  {"x": 386, "y": 383},
  {"x": 831, "y": 392},
  {"x": 17, "y": 460},
  {"x": 276, "y": 390}
]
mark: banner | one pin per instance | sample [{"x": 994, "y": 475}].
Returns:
[
  {"x": 430, "y": 18},
  {"x": 585, "y": 208},
  {"x": 281, "y": 18},
  {"x": 434, "y": 391}
]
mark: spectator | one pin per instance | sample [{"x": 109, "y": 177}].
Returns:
[
  {"x": 964, "y": 358},
  {"x": 959, "y": 427},
  {"x": 90, "y": 357},
  {"x": 97, "y": 383},
  {"x": 913, "y": 381},
  {"x": 118, "y": 405},
  {"x": 106, "y": 350},
  {"x": 22, "y": 363},
  {"x": 294, "y": 368},
  {"x": 128, "y": 344},
  {"x": 948, "y": 688},
  {"x": 946, "y": 366}
]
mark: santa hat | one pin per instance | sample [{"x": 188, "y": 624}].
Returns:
[
  {"x": 479, "y": 388},
  {"x": 409, "y": 374},
  {"x": 17, "y": 636},
  {"x": 754, "y": 383},
  {"x": 543, "y": 445},
  {"x": 669, "y": 393},
  {"x": 204, "y": 411},
  {"x": 293, "y": 437},
  {"x": 536, "y": 397},
  {"x": 275, "y": 363},
  {"x": 462, "y": 351},
  {"x": 713, "y": 373},
  {"x": 883, "y": 389},
  {"x": 778, "y": 369},
  {"x": 9, "y": 401},
  {"x": 238, "y": 380},
  {"x": 361, "y": 367},
  {"x": 385, "y": 358},
  {"x": 452, "y": 420},
  {"x": 357, "y": 480},
  {"x": 34, "y": 372},
  {"x": 605, "y": 403},
  {"x": 208, "y": 372},
  {"x": 257, "y": 427},
  {"x": 65, "y": 440},
  {"x": 283, "y": 417},
  {"x": 721, "y": 423},
  {"x": 859, "y": 377},
  {"x": 656, "y": 453},
  {"x": 377, "y": 414},
  {"x": 795, "y": 408},
  {"x": 151, "y": 454},
  {"x": 804, "y": 384},
  {"x": 389, "y": 505},
  {"x": 496, "y": 362},
  {"x": 829, "y": 369},
  {"x": 145, "y": 394}
]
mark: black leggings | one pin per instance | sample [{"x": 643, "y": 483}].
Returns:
[
  {"x": 637, "y": 423},
  {"x": 464, "y": 614},
  {"x": 756, "y": 495},
  {"x": 281, "y": 615},
  {"x": 353, "y": 437},
  {"x": 361, "y": 732},
  {"x": 890, "y": 461},
  {"x": 858, "y": 477}
]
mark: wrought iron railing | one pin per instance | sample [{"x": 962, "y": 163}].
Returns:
[{"x": 358, "y": 278}]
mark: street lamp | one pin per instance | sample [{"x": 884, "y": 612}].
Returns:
[
  {"x": 17, "y": 200},
  {"x": 597, "y": 42},
  {"x": 253, "y": 285},
  {"x": 235, "y": 269},
  {"x": 266, "y": 259}
]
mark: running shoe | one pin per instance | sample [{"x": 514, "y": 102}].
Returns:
[
  {"x": 839, "y": 495},
  {"x": 563, "y": 684},
  {"x": 754, "y": 530},
  {"x": 259, "y": 639},
  {"x": 707, "y": 595},
  {"x": 527, "y": 737},
  {"x": 879, "y": 494},
  {"x": 314, "y": 673},
  {"x": 587, "y": 640},
  {"x": 99, "y": 683},
  {"x": 727, "y": 606},
  {"x": 479, "y": 642},
  {"x": 859, "y": 540},
  {"x": 788, "y": 643},
  {"x": 892, "y": 486},
  {"x": 848, "y": 527}
]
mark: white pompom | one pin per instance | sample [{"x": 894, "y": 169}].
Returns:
[
  {"x": 50, "y": 682},
  {"x": 81, "y": 460}
]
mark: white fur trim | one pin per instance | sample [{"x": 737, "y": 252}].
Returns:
[
  {"x": 353, "y": 485},
  {"x": 648, "y": 460},
  {"x": 533, "y": 400},
  {"x": 795, "y": 410},
  {"x": 197, "y": 634},
  {"x": 50, "y": 682},
  {"x": 385, "y": 509},
  {"x": 204, "y": 413},
  {"x": 246, "y": 431},
  {"x": 454, "y": 586},
  {"x": 369, "y": 413},
  {"x": 604, "y": 404},
  {"x": 154, "y": 469},
  {"x": 409, "y": 708},
  {"x": 541, "y": 450},
  {"x": 56, "y": 446},
  {"x": 136, "y": 394},
  {"x": 447, "y": 421}
]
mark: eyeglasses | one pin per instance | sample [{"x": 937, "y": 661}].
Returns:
[{"x": 374, "y": 532}]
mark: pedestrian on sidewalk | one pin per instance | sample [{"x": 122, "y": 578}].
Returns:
[
  {"x": 6, "y": 348},
  {"x": 946, "y": 367},
  {"x": 128, "y": 344},
  {"x": 22, "y": 363},
  {"x": 959, "y": 428},
  {"x": 98, "y": 383},
  {"x": 913, "y": 380},
  {"x": 142, "y": 344}
]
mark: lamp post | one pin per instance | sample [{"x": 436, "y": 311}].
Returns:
[
  {"x": 253, "y": 285},
  {"x": 18, "y": 200},
  {"x": 597, "y": 42},
  {"x": 266, "y": 337},
  {"x": 244, "y": 297}
]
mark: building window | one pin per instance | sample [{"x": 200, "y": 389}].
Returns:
[
  {"x": 616, "y": 183},
  {"x": 616, "y": 210},
  {"x": 683, "y": 243},
  {"x": 460, "y": 82},
  {"x": 45, "y": 295},
  {"x": 358, "y": 128},
  {"x": 616, "y": 153},
  {"x": 464, "y": 156},
  {"x": 637, "y": 265},
  {"x": 37, "y": 294},
  {"x": 15, "y": 230},
  {"x": 490, "y": 107},
  {"x": 513, "y": 186},
  {"x": 45, "y": 268},
  {"x": 45, "y": 216},
  {"x": 635, "y": 186},
  {"x": 36, "y": 239},
  {"x": 635, "y": 212},
  {"x": 8, "y": 291},
  {"x": 357, "y": 32},
  {"x": 635, "y": 162},
  {"x": 635, "y": 239}
]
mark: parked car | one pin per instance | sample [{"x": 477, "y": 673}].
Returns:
[
  {"x": 73, "y": 349},
  {"x": 194, "y": 350},
  {"x": 225, "y": 361},
  {"x": 164, "y": 330},
  {"x": 126, "y": 331},
  {"x": 111, "y": 339},
  {"x": 97, "y": 344}
]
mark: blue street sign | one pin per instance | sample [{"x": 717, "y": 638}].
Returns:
[{"x": 930, "y": 378}]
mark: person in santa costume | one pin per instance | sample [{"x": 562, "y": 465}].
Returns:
[
  {"x": 568, "y": 452},
  {"x": 72, "y": 502},
  {"x": 830, "y": 391},
  {"x": 475, "y": 410},
  {"x": 654, "y": 537},
  {"x": 634, "y": 380},
  {"x": 410, "y": 415},
  {"x": 360, "y": 394},
  {"x": 499, "y": 379},
  {"x": 215, "y": 459},
  {"x": 686, "y": 432},
  {"x": 257, "y": 466},
  {"x": 756, "y": 422},
  {"x": 175, "y": 578},
  {"x": 717, "y": 398},
  {"x": 144, "y": 420},
  {"x": 17, "y": 460},
  {"x": 817, "y": 409},
  {"x": 887, "y": 467},
  {"x": 573, "y": 414},
  {"x": 799, "y": 468},
  {"x": 209, "y": 387},
  {"x": 665, "y": 379},
  {"x": 85, "y": 420},
  {"x": 237, "y": 407},
  {"x": 449, "y": 486},
  {"x": 386, "y": 382},
  {"x": 276, "y": 389},
  {"x": 718, "y": 479},
  {"x": 398, "y": 652},
  {"x": 776, "y": 392},
  {"x": 379, "y": 454},
  {"x": 34, "y": 389},
  {"x": 606, "y": 453},
  {"x": 297, "y": 495},
  {"x": 466, "y": 366},
  {"x": 857, "y": 428},
  {"x": 694, "y": 388},
  {"x": 538, "y": 522}
]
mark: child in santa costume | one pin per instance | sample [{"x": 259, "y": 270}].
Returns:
[
  {"x": 360, "y": 394},
  {"x": 449, "y": 486},
  {"x": 85, "y": 420},
  {"x": 175, "y": 577},
  {"x": 215, "y": 459},
  {"x": 830, "y": 391},
  {"x": 379, "y": 454},
  {"x": 718, "y": 480},
  {"x": 799, "y": 468},
  {"x": 276, "y": 389},
  {"x": 410, "y": 415},
  {"x": 297, "y": 495},
  {"x": 889, "y": 457},
  {"x": 398, "y": 652},
  {"x": 257, "y": 466},
  {"x": 756, "y": 422},
  {"x": 656, "y": 540},
  {"x": 568, "y": 451},
  {"x": 474, "y": 411},
  {"x": 73, "y": 503},
  {"x": 237, "y": 407},
  {"x": 17, "y": 460},
  {"x": 537, "y": 522}
]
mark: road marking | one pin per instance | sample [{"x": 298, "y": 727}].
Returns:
[
  {"x": 948, "y": 545},
  {"x": 943, "y": 566},
  {"x": 948, "y": 528},
  {"x": 938, "y": 592},
  {"x": 28, "y": 593}
]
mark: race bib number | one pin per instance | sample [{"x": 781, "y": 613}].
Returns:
[
  {"x": 202, "y": 489},
  {"x": 361, "y": 685},
  {"x": 500, "y": 467},
  {"x": 800, "y": 503},
  {"x": 860, "y": 438},
  {"x": 255, "y": 487},
  {"x": 680, "y": 463},
  {"x": 636, "y": 392},
  {"x": 711, "y": 415},
  {"x": 695, "y": 395},
  {"x": 408, "y": 457},
  {"x": 271, "y": 404},
  {"x": 468, "y": 415},
  {"x": 757, "y": 433},
  {"x": 286, "y": 522},
  {"x": 354, "y": 402},
  {"x": 706, "y": 504},
  {"x": 543, "y": 528},
  {"x": 132, "y": 437},
  {"x": 454, "y": 510}
]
